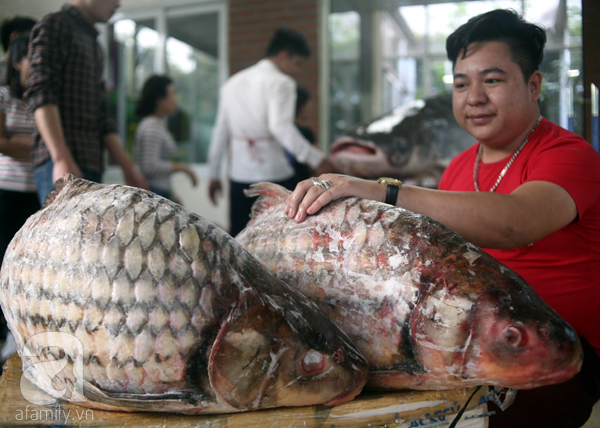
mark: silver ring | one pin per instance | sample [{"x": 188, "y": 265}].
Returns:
[
  {"x": 315, "y": 181},
  {"x": 325, "y": 184}
]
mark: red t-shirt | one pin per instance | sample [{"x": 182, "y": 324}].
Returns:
[{"x": 564, "y": 267}]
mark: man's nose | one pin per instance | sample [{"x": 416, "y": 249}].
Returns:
[{"x": 476, "y": 94}]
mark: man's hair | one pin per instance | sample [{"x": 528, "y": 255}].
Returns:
[
  {"x": 20, "y": 24},
  {"x": 18, "y": 51},
  {"x": 286, "y": 39},
  {"x": 525, "y": 40},
  {"x": 154, "y": 89}
]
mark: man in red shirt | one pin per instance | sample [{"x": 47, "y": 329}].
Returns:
[{"x": 528, "y": 192}]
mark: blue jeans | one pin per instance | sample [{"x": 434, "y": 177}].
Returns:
[{"x": 42, "y": 175}]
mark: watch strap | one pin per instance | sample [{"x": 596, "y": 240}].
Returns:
[{"x": 391, "y": 196}]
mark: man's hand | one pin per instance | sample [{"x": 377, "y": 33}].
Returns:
[
  {"x": 65, "y": 166},
  {"x": 214, "y": 190},
  {"x": 134, "y": 178}
]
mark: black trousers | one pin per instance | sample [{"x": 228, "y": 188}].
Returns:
[
  {"x": 240, "y": 206},
  {"x": 15, "y": 209},
  {"x": 565, "y": 405}
]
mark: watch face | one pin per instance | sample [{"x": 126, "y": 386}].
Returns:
[{"x": 390, "y": 181}]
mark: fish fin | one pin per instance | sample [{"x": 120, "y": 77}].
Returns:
[
  {"x": 270, "y": 194},
  {"x": 241, "y": 351},
  {"x": 143, "y": 402},
  {"x": 58, "y": 186}
]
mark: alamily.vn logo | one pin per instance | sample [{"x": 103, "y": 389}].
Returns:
[{"x": 53, "y": 361}]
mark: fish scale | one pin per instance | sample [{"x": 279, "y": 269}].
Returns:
[
  {"x": 155, "y": 295},
  {"x": 428, "y": 309}
]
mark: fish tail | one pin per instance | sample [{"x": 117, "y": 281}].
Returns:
[{"x": 270, "y": 194}]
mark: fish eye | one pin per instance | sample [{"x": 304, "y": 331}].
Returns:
[
  {"x": 515, "y": 336},
  {"x": 313, "y": 362}
]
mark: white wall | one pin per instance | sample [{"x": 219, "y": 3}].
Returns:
[{"x": 195, "y": 199}]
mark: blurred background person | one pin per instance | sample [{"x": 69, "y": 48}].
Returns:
[
  {"x": 67, "y": 95},
  {"x": 13, "y": 27},
  {"x": 255, "y": 126},
  {"x": 154, "y": 145},
  {"x": 303, "y": 105},
  {"x": 18, "y": 199}
]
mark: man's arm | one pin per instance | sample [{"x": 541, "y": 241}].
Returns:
[
  {"x": 281, "y": 105},
  {"x": 217, "y": 150},
  {"x": 133, "y": 177},
  {"x": 490, "y": 220},
  {"x": 47, "y": 118}
]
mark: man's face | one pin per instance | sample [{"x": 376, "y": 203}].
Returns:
[
  {"x": 291, "y": 64},
  {"x": 491, "y": 99},
  {"x": 97, "y": 10}
]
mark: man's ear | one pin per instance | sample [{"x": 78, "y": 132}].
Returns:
[
  {"x": 283, "y": 55},
  {"x": 535, "y": 85}
]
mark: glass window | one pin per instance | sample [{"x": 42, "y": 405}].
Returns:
[
  {"x": 192, "y": 61},
  {"x": 185, "y": 45},
  {"x": 398, "y": 54}
]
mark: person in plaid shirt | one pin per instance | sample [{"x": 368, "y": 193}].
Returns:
[{"x": 68, "y": 98}]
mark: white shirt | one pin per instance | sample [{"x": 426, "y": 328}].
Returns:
[{"x": 255, "y": 120}]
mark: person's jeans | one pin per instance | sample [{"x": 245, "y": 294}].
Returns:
[{"x": 42, "y": 176}]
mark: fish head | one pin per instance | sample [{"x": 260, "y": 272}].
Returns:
[
  {"x": 416, "y": 139},
  {"x": 493, "y": 329},
  {"x": 522, "y": 342},
  {"x": 278, "y": 351}
]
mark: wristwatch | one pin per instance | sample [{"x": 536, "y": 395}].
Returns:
[{"x": 393, "y": 187}]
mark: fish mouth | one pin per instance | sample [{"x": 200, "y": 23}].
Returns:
[
  {"x": 349, "y": 393},
  {"x": 360, "y": 158},
  {"x": 348, "y": 144},
  {"x": 556, "y": 377}
]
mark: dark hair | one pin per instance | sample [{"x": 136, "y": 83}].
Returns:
[
  {"x": 291, "y": 41},
  {"x": 525, "y": 40},
  {"x": 18, "y": 51},
  {"x": 20, "y": 24},
  {"x": 302, "y": 97},
  {"x": 154, "y": 89}
]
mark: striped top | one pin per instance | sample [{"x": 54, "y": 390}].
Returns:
[
  {"x": 153, "y": 147},
  {"x": 15, "y": 174},
  {"x": 66, "y": 70}
]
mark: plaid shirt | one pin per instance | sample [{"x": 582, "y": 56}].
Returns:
[{"x": 66, "y": 70}]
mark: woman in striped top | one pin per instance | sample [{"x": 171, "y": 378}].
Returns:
[
  {"x": 154, "y": 145},
  {"x": 18, "y": 199}
]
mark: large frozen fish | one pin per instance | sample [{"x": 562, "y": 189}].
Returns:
[
  {"x": 416, "y": 140},
  {"x": 159, "y": 310},
  {"x": 428, "y": 309}
]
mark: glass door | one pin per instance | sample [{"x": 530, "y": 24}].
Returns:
[{"x": 189, "y": 45}]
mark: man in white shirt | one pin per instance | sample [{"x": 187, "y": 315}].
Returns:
[{"x": 255, "y": 126}]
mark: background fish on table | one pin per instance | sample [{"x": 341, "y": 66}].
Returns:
[
  {"x": 415, "y": 141},
  {"x": 428, "y": 309},
  {"x": 171, "y": 312}
]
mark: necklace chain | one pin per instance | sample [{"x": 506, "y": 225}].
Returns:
[{"x": 505, "y": 169}]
